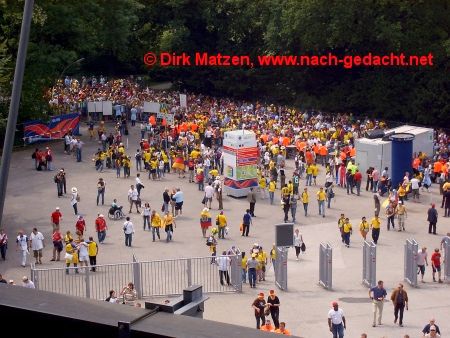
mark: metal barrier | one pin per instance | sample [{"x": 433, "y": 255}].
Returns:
[
  {"x": 280, "y": 268},
  {"x": 326, "y": 265},
  {"x": 152, "y": 278},
  {"x": 411, "y": 249},
  {"x": 446, "y": 251},
  {"x": 369, "y": 274}
]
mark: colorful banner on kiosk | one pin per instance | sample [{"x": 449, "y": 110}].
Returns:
[{"x": 37, "y": 131}]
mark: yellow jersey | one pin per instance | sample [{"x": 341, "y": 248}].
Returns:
[
  {"x": 321, "y": 195},
  {"x": 347, "y": 227},
  {"x": 375, "y": 223},
  {"x": 305, "y": 197}
]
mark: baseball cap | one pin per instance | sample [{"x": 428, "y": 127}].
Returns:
[
  {"x": 57, "y": 208},
  {"x": 334, "y": 303}
]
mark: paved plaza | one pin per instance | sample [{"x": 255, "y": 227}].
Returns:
[{"x": 32, "y": 196}]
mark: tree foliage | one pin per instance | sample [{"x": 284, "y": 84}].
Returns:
[{"x": 113, "y": 36}]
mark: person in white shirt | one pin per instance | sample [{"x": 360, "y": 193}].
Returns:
[
  {"x": 128, "y": 229},
  {"x": 22, "y": 245},
  {"x": 133, "y": 197},
  {"x": 26, "y": 283},
  {"x": 139, "y": 184},
  {"x": 83, "y": 254},
  {"x": 336, "y": 321},
  {"x": 209, "y": 193},
  {"x": 223, "y": 262},
  {"x": 298, "y": 241},
  {"x": 37, "y": 244},
  {"x": 422, "y": 260},
  {"x": 415, "y": 188}
]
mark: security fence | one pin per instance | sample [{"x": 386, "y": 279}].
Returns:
[
  {"x": 446, "y": 251},
  {"x": 411, "y": 249},
  {"x": 369, "y": 274},
  {"x": 325, "y": 265},
  {"x": 280, "y": 268},
  {"x": 150, "y": 278}
]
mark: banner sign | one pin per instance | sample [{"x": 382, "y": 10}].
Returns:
[
  {"x": 35, "y": 131},
  {"x": 183, "y": 101}
]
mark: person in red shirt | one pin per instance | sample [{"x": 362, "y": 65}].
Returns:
[
  {"x": 55, "y": 218},
  {"x": 57, "y": 245},
  {"x": 80, "y": 226},
  {"x": 357, "y": 178},
  {"x": 100, "y": 227},
  {"x": 436, "y": 264}
]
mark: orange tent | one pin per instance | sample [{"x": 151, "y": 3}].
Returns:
[
  {"x": 275, "y": 140},
  {"x": 416, "y": 163},
  {"x": 323, "y": 151},
  {"x": 286, "y": 141},
  {"x": 343, "y": 156},
  {"x": 264, "y": 137},
  {"x": 353, "y": 152}
]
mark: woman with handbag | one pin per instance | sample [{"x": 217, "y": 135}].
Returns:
[{"x": 298, "y": 242}]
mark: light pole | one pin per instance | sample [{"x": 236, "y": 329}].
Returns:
[
  {"x": 70, "y": 65},
  {"x": 15, "y": 100}
]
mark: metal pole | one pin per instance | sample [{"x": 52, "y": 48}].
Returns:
[{"x": 15, "y": 100}]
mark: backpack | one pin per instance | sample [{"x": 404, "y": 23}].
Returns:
[{"x": 55, "y": 179}]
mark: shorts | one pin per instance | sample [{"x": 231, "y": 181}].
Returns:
[
  {"x": 179, "y": 206},
  {"x": 37, "y": 253},
  {"x": 421, "y": 269},
  {"x": 437, "y": 268},
  {"x": 83, "y": 258},
  {"x": 415, "y": 193}
]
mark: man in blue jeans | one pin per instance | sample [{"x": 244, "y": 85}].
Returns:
[
  {"x": 251, "y": 268},
  {"x": 336, "y": 321}
]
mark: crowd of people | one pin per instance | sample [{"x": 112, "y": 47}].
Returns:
[{"x": 191, "y": 149}]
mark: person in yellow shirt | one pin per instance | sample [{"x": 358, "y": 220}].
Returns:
[
  {"x": 92, "y": 252},
  {"x": 305, "y": 200},
  {"x": 272, "y": 188},
  {"x": 155, "y": 221},
  {"x": 153, "y": 168},
  {"x": 262, "y": 187},
  {"x": 71, "y": 249},
  {"x": 347, "y": 231},
  {"x": 262, "y": 259},
  {"x": 401, "y": 193},
  {"x": 341, "y": 222},
  {"x": 290, "y": 188},
  {"x": 364, "y": 228},
  {"x": 221, "y": 222},
  {"x": 126, "y": 163},
  {"x": 169, "y": 223},
  {"x": 321, "y": 197},
  {"x": 213, "y": 173},
  {"x": 309, "y": 172},
  {"x": 315, "y": 172},
  {"x": 375, "y": 225},
  {"x": 283, "y": 330}
]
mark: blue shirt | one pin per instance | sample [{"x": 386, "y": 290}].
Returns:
[
  {"x": 178, "y": 197},
  {"x": 247, "y": 218},
  {"x": 378, "y": 293}
]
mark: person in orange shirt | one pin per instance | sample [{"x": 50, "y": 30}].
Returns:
[
  {"x": 283, "y": 330},
  {"x": 267, "y": 327}
]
